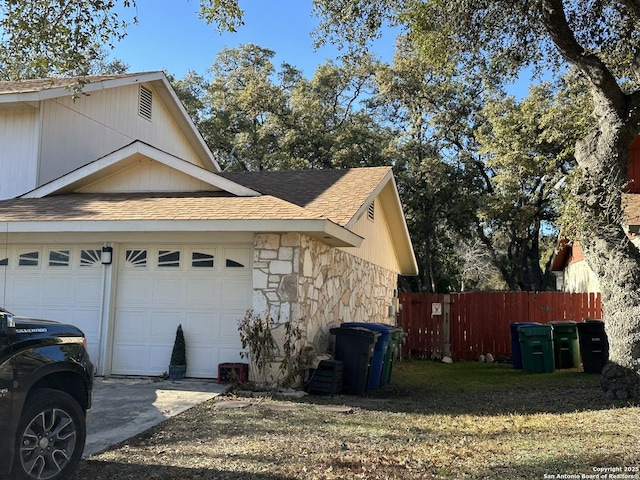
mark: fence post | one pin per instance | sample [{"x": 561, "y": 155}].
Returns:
[{"x": 446, "y": 325}]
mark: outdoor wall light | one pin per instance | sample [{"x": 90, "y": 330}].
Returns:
[{"x": 106, "y": 256}]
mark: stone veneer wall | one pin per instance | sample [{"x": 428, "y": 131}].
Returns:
[{"x": 300, "y": 278}]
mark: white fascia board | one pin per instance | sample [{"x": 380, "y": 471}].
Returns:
[
  {"x": 175, "y": 106},
  {"x": 55, "y": 92},
  {"x": 324, "y": 229},
  {"x": 77, "y": 176}
]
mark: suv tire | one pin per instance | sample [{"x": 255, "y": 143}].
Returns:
[{"x": 50, "y": 437}]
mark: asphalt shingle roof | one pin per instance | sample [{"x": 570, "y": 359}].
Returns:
[
  {"x": 41, "y": 84},
  {"x": 336, "y": 195}
]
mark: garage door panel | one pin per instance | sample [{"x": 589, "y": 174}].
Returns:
[
  {"x": 230, "y": 355},
  {"x": 27, "y": 288},
  {"x": 86, "y": 288},
  {"x": 202, "y": 361},
  {"x": 134, "y": 290},
  {"x": 168, "y": 291},
  {"x": 237, "y": 291},
  {"x": 58, "y": 290},
  {"x": 131, "y": 359},
  {"x": 229, "y": 326},
  {"x": 133, "y": 326},
  {"x": 164, "y": 324},
  {"x": 202, "y": 326},
  {"x": 204, "y": 291},
  {"x": 159, "y": 358}
]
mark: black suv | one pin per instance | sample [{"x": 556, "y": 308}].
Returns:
[{"x": 46, "y": 378}]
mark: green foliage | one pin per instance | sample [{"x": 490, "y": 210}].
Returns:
[
  {"x": 255, "y": 117},
  {"x": 52, "y": 37},
  {"x": 225, "y": 14},
  {"x": 179, "y": 352},
  {"x": 46, "y": 38}
]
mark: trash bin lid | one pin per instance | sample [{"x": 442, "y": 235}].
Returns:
[
  {"x": 535, "y": 331},
  {"x": 355, "y": 331},
  {"x": 376, "y": 327}
]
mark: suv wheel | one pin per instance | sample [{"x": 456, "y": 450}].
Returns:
[{"x": 50, "y": 437}]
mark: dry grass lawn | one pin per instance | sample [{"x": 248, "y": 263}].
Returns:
[{"x": 466, "y": 420}]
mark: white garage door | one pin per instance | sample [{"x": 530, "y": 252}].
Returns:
[
  {"x": 205, "y": 289},
  {"x": 61, "y": 283}
]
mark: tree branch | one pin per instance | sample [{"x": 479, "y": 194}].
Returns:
[{"x": 603, "y": 81}]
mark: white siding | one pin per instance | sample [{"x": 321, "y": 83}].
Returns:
[
  {"x": 18, "y": 152},
  {"x": 579, "y": 278},
  {"x": 81, "y": 131}
]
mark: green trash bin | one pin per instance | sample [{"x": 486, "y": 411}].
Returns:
[
  {"x": 392, "y": 352},
  {"x": 566, "y": 346},
  {"x": 536, "y": 343}
]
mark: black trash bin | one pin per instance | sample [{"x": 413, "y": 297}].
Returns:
[
  {"x": 565, "y": 344},
  {"x": 594, "y": 345},
  {"x": 354, "y": 347},
  {"x": 380, "y": 351}
]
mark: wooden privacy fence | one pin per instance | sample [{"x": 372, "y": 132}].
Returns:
[{"x": 466, "y": 325}]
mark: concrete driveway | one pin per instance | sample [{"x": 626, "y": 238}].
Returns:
[{"x": 124, "y": 407}]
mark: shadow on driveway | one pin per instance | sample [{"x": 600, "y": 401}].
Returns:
[{"x": 125, "y": 407}]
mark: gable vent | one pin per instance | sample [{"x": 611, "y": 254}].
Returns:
[
  {"x": 145, "y": 102},
  {"x": 371, "y": 210}
]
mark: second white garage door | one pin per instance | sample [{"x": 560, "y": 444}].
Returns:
[{"x": 207, "y": 290}]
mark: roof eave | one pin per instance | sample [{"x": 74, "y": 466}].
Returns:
[{"x": 323, "y": 229}]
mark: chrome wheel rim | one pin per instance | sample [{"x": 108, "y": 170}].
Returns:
[{"x": 47, "y": 444}]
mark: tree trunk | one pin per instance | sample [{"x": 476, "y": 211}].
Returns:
[{"x": 603, "y": 158}]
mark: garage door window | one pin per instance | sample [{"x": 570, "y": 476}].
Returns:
[
  {"x": 136, "y": 258},
  {"x": 202, "y": 260},
  {"x": 237, "y": 258},
  {"x": 234, "y": 264},
  {"x": 89, "y": 258},
  {"x": 59, "y": 258},
  {"x": 29, "y": 259},
  {"x": 169, "y": 258}
]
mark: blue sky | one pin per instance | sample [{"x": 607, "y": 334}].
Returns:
[{"x": 169, "y": 35}]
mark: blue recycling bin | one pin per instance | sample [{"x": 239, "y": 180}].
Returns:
[
  {"x": 380, "y": 349},
  {"x": 516, "y": 351}
]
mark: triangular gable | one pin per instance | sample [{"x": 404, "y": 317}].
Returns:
[
  {"x": 31, "y": 92},
  {"x": 107, "y": 169}
]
